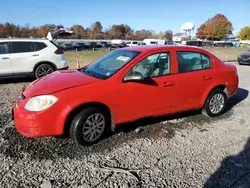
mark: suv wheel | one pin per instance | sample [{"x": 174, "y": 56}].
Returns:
[
  {"x": 89, "y": 126},
  {"x": 43, "y": 70},
  {"x": 215, "y": 103}
]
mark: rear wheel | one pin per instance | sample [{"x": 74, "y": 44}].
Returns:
[
  {"x": 215, "y": 103},
  {"x": 89, "y": 126},
  {"x": 43, "y": 70}
]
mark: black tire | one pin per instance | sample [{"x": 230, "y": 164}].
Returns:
[
  {"x": 45, "y": 68},
  {"x": 79, "y": 122},
  {"x": 238, "y": 60},
  {"x": 206, "y": 109}
]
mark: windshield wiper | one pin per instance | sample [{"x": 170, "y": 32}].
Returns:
[{"x": 89, "y": 73}]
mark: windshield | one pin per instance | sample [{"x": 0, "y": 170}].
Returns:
[{"x": 109, "y": 64}]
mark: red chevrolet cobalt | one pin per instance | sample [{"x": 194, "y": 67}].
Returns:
[{"x": 125, "y": 85}]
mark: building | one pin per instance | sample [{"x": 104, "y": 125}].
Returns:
[{"x": 178, "y": 37}]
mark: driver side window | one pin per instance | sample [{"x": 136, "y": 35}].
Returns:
[{"x": 154, "y": 65}]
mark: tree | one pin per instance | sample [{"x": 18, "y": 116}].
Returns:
[
  {"x": 43, "y": 31},
  {"x": 2, "y": 31},
  {"x": 78, "y": 31},
  {"x": 121, "y": 31},
  {"x": 161, "y": 35},
  {"x": 202, "y": 32},
  {"x": 244, "y": 33},
  {"x": 143, "y": 34},
  {"x": 97, "y": 30},
  {"x": 216, "y": 28},
  {"x": 59, "y": 26},
  {"x": 221, "y": 27}
]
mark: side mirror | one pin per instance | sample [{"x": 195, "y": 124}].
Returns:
[{"x": 134, "y": 76}]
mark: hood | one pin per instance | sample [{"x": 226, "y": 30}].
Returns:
[
  {"x": 57, "y": 81},
  {"x": 245, "y": 55}
]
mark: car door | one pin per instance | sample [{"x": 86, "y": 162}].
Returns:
[
  {"x": 23, "y": 56},
  {"x": 192, "y": 80},
  {"x": 152, "y": 96},
  {"x": 5, "y": 63}
]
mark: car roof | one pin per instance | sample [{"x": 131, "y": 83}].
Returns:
[
  {"x": 22, "y": 39},
  {"x": 147, "y": 48}
]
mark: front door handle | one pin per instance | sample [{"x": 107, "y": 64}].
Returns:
[
  {"x": 168, "y": 84},
  {"x": 36, "y": 55},
  {"x": 5, "y": 58},
  {"x": 206, "y": 77}
]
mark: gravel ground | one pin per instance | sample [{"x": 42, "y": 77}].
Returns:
[{"x": 188, "y": 150}]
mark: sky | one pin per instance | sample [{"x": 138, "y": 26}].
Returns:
[{"x": 157, "y": 15}]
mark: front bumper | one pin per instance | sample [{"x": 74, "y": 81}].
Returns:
[{"x": 38, "y": 124}]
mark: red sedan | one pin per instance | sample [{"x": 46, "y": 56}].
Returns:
[{"x": 125, "y": 85}]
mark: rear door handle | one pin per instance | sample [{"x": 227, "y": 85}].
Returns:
[
  {"x": 36, "y": 55},
  {"x": 168, "y": 84},
  {"x": 206, "y": 77},
  {"x": 5, "y": 58}
]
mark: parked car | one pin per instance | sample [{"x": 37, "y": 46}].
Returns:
[
  {"x": 31, "y": 57},
  {"x": 132, "y": 43},
  {"x": 119, "y": 45},
  {"x": 123, "y": 45},
  {"x": 66, "y": 46},
  {"x": 223, "y": 44},
  {"x": 75, "y": 45},
  {"x": 125, "y": 85},
  {"x": 196, "y": 43},
  {"x": 244, "y": 58}
]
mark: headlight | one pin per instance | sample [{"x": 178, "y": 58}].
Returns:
[{"x": 40, "y": 103}]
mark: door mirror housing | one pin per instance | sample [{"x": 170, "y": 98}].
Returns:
[{"x": 134, "y": 76}]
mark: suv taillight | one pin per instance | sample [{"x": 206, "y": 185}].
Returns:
[{"x": 59, "y": 51}]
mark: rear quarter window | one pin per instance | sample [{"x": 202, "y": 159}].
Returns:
[{"x": 40, "y": 46}]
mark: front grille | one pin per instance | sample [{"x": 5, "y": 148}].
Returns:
[{"x": 245, "y": 56}]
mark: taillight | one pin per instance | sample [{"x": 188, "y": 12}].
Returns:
[{"x": 59, "y": 51}]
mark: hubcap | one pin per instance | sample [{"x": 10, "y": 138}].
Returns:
[
  {"x": 93, "y": 127},
  {"x": 44, "y": 71},
  {"x": 216, "y": 103}
]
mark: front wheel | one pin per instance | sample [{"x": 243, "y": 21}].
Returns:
[
  {"x": 89, "y": 126},
  {"x": 215, "y": 103}
]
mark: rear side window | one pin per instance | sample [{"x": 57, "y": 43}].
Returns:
[
  {"x": 192, "y": 61},
  {"x": 21, "y": 47},
  {"x": 39, "y": 46},
  {"x": 4, "y": 48}
]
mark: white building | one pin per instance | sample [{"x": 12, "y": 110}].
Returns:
[{"x": 178, "y": 37}]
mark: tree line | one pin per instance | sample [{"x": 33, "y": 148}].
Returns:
[
  {"x": 215, "y": 28},
  {"x": 95, "y": 31}
]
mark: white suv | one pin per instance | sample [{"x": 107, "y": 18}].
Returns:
[{"x": 36, "y": 57}]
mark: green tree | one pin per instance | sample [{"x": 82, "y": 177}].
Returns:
[
  {"x": 244, "y": 33},
  {"x": 161, "y": 35}
]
